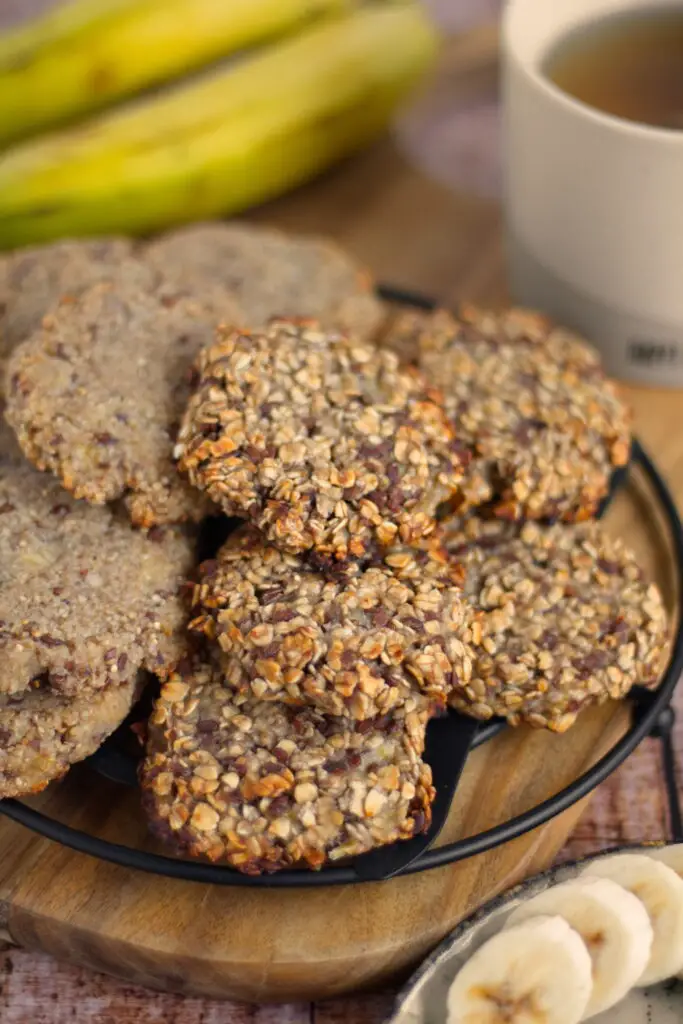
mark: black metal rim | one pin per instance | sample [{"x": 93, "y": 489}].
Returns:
[{"x": 651, "y": 716}]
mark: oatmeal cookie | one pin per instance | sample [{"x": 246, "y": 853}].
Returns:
[
  {"x": 265, "y": 786},
  {"x": 355, "y": 645},
  {"x": 33, "y": 280},
  {"x": 542, "y": 427},
  {"x": 95, "y": 396},
  {"x": 42, "y": 733},
  {"x": 269, "y": 273},
  {"x": 562, "y": 618},
  {"x": 85, "y": 601},
  {"x": 322, "y": 442}
]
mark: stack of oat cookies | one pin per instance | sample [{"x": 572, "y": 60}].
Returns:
[
  {"x": 418, "y": 496},
  {"x": 97, "y": 342}
]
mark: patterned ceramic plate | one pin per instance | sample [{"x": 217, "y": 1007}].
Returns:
[{"x": 423, "y": 1000}]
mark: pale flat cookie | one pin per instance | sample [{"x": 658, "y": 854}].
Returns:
[
  {"x": 269, "y": 273},
  {"x": 85, "y": 600},
  {"x": 33, "y": 280},
  {"x": 42, "y": 733},
  {"x": 96, "y": 393}
]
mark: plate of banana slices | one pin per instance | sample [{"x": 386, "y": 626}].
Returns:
[{"x": 599, "y": 940}]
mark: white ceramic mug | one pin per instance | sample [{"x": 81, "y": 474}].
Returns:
[{"x": 593, "y": 203}]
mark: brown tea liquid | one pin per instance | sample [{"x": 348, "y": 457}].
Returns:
[{"x": 628, "y": 64}]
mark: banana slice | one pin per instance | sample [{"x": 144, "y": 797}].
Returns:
[
  {"x": 613, "y": 924},
  {"x": 661, "y": 891},
  {"x": 672, "y": 856},
  {"x": 538, "y": 972}
]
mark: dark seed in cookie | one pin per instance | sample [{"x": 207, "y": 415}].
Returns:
[
  {"x": 321, "y": 441},
  {"x": 95, "y": 396},
  {"x": 268, "y": 786},
  {"x": 561, "y": 618},
  {"x": 85, "y": 601},
  {"x": 541, "y": 426},
  {"x": 358, "y": 645}
]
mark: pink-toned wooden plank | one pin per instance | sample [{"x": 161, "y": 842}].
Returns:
[
  {"x": 35, "y": 989},
  {"x": 362, "y": 1010},
  {"x": 631, "y": 807},
  {"x": 678, "y": 737}
]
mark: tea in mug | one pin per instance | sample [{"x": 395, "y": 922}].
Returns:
[{"x": 629, "y": 64}]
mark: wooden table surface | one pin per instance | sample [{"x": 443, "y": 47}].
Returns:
[{"x": 417, "y": 223}]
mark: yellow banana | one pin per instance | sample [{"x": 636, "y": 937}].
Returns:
[
  {"x": 232, "y": 139},
  {"x": 89, "y": 53}
]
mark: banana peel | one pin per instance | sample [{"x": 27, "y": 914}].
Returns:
[
  {"x": 218, "y": 145},
  {"x": 90, "y": 53}
]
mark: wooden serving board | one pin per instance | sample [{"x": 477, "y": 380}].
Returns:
[{"x": 283, "y": 945}]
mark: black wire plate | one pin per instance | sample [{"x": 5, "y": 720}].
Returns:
[
  {"x": 651, "y": 715},
  {"x": 449, "y": 741}
]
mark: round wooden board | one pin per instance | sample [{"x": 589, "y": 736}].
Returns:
[
  {"x": 275, "y": 944},
  {"x": 284, "y": 945}
]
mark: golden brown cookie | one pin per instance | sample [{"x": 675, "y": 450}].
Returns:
[
  {"x": 540, "y": 426},
  {"x": 264, "y": 786},
  {"x": 320, "y": 441},
  {"x": 358, "y": 644}
]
